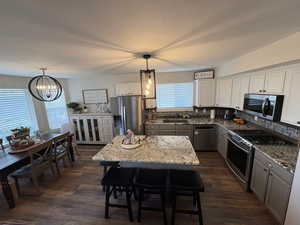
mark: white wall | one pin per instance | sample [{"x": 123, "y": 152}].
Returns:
[
  {"x": 15, "y": 82},
  {"x": 109, "y": 82},
  {"x": 282, "y": 51}
]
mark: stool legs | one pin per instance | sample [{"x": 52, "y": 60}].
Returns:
[
  {"x": 128, "y": 200},
  {"x": 173, "y": 209},
  {"x": 163, "y": 208},
  {"x": 141, "y": 195},
  {"x": 196, "y": 197},
  {"x": 107, "y": 196},
  {"x": 199, "y": 208}
]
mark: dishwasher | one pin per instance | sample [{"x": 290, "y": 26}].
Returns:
[{"x": 205, "y": 138}]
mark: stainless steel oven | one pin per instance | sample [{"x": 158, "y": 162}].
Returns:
[
  {"x": 263, "y": 105},
  {"x": 239, "y": 158}
]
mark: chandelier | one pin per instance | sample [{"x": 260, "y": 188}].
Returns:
[
  {"x": 45, "y": 88},
  {"x": 148, "y": 83}
]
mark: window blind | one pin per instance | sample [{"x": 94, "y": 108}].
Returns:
[
  {"x": 57, "y": 112},
  {"x": 175, "y": 95},
  {"x": 16, "y": 110}
]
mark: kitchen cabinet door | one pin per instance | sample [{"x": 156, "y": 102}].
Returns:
[
  {"x": 236, "y": 90},
  {"x": 257, "y": 82},
  {"x": 244, "y": 89},
  {"x": 224, "y": 87},
  {"x": 222, "y": 142},
  {"x": 206, "y": 93},
  {"x": 259, "y": 179},
  {"x": 291, "y": 107},
  {"x": 277, "y": 197},
  {"x": 275, "y": 82}
]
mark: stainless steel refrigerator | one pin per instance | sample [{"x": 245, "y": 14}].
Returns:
[{"x": 128, "y": 114}]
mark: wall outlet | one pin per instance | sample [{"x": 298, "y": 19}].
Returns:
[{"x": 255, "y": 118}]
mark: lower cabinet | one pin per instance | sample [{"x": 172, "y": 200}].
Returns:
[
  {"x": 222, "y": 141},
  {"x": 272, "y": 185}
]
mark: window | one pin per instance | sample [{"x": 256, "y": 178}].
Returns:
[
  {"x": 16, "y": 110},
  {"x": 57, "y": 112},
  {"x": 175, "y": 95}
]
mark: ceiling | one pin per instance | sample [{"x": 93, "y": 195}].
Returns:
[{"x": 95, "y": 37}]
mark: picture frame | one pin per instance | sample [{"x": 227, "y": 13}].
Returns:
[
  {"x": 95, "y": 96},
  {"x": 204, "y": 74}
]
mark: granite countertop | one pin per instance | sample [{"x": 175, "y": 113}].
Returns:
[
  {"x": 228, "y": 124},
  {"x": 154, "y": 149},
  {"x": 284, "y": 155}
]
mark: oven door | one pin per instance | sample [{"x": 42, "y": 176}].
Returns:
[{"x": 238, "y": 160}]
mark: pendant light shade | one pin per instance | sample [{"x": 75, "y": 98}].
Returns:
[
  {"x": 148, "y": 82},
  {"x": 45, "y": 88}
]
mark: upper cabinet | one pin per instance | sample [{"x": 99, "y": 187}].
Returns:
[
  {"x": 123, "y": 89},
  {"x": 223, "y": 92},
  {"x": 291, "y": 106},
  {"x": 270, "y": 82},
  {"x": 257, "y": 82},
  {"x": 275, "y": 81},
  {"x": 204, "y": 92},
  {"x": 240, "y": 86}
]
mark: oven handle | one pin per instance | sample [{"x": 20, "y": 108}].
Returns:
[
  {"x": 247, "y": 151},
  {"x": 235, "y": 173}
]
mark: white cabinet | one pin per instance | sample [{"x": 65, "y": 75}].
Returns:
[
  {"x": 123, "y": 89},
  {"x": 274, "y": 83},
  {"x": 291, "y": 106},
  {"x": 240, "y": 86},
  {"x": 257, "y": 82},
  {"x": 270, "y": 82},
  {"x": 204, "y": 92},
  {"x": 223, "y": 96},
  {"x": 93, "y": 128}
]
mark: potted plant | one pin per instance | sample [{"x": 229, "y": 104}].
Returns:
[
  {"x": 75, "y": 106},
  {"x": 21, "y": 131}
]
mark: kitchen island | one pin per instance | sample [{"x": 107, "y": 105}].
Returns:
[{"x": 154, "y": 152}]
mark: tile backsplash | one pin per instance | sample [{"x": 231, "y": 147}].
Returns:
[{"x": 278, "y": 127}]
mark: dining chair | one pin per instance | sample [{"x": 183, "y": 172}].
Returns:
[
  {"x": 69, "y": 127},
  {"x": 61, "y": 150},
  {"x": 1, "y": 144},
  {"x": 40, "y": 160}
]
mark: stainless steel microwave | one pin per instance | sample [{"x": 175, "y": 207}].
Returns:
[{"x": 263, "y": 105}]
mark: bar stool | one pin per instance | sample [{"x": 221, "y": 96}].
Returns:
[
  {"x": 118, "y": 179},
  {"x": 151, "y": 181},
  {"x": 186, "y": 183}
]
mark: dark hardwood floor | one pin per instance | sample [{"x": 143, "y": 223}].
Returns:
[{"x": 76, "y": 198}]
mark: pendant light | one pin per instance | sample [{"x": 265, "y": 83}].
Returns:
[
  {"x": 45, "y": 88},
  {"x": 148, "y": 83}
]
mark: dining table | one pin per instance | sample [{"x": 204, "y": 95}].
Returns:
[
  {"x": 12, "y": 162},
  {"x": 157, "y": 152}
]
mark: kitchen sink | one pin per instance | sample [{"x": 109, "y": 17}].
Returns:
[{"x": 175, "y": 121}]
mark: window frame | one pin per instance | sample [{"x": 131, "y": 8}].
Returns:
[{"x": 175, "y": 109}]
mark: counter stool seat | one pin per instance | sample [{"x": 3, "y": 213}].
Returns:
[
  {"x": 118, "y": 179},
  {"x": 186, "y": 183},
  {"x": 151, "y": 181}
]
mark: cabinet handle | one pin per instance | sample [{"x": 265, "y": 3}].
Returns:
[
  {"x": 264, "y": 91},
  {"x": 260, "y": 90},
  {"x": 266, "y": 170}
]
